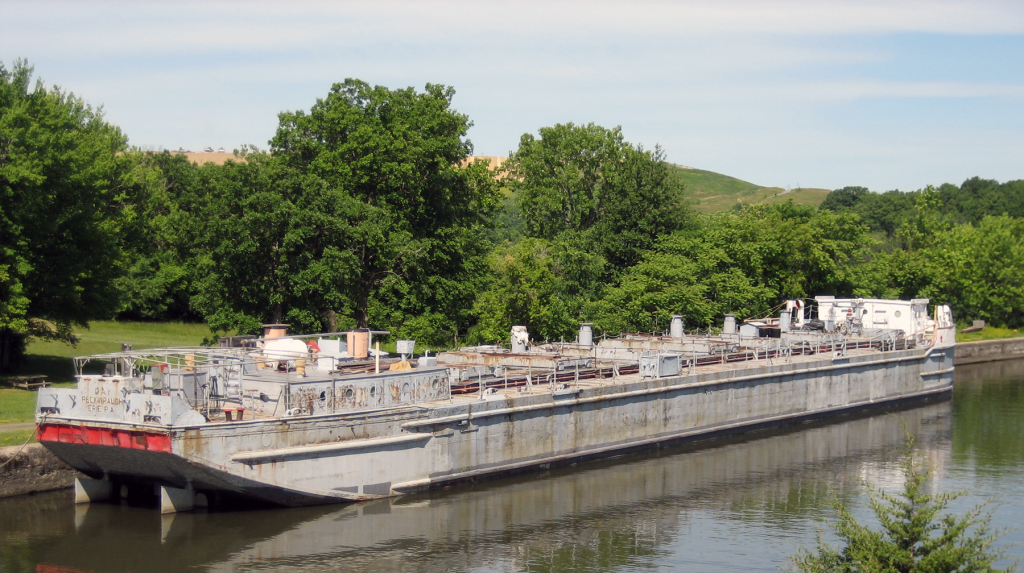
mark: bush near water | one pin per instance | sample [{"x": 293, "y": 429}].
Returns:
[
  {"x": 367, "y": 210},
  {"x": 915, "y": 533}
]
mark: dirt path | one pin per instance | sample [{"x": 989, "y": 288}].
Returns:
[{"x": 17, "y": 427}]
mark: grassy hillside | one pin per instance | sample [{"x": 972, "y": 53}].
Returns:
[{"x": 710, "y": 192}]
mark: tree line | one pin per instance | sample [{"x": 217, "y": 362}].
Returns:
[{"x": 366, "y": 210}]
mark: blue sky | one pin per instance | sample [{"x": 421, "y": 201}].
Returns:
[{"x": 818, "y": 94}]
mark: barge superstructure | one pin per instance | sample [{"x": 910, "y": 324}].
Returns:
[{"x": 302, "y": 420}]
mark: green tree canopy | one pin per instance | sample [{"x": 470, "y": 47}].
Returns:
[
  {"x": 845, "y": 198},
  {"x": 587, "y": 180},
  {"x": 535, "y": 283},
  {"x": 742, "y": 262},
  {"x": 168, "y": 192},
  {"x": 365, "y": 202},
  {"x": 62, "y": 193},
  {"x": 977, "y": 270},
  {"x": 972, "y": 201}
]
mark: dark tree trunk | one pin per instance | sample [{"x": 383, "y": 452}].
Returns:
[
  {"x": 12, "y": 350},
  {"x": 362, "y": 318},
  {"x": 332, "y": 320}
]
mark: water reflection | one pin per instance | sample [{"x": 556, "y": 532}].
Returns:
[
  {"x": 739, "y": 505},
  {"x": 989, "y": 429}
]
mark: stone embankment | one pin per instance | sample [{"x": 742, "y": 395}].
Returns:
[
  {"x": 988, "y": 351},
  {"x": 32, "y": 469}
]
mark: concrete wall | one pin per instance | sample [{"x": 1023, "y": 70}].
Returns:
[
  {"x": 32, "y": 470},
  {"x": 988, "y": 350}
]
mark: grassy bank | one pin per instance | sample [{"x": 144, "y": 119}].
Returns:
[
  {"x": 15, "y": 438},
  {"x": 17, "y": 405},
  {"x": 54, "y": 358},
  {"x": 989, "y": 333}
]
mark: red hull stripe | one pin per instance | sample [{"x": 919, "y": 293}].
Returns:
[
  {"x": 68, "y": 434},
  {"x": 47, "y": 568}
]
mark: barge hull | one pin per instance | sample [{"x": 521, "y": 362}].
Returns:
[{"x": 365, "y": 455}]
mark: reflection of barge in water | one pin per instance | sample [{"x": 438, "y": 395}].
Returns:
[
  {"x": 791, "y": 473},
  {"x": 316, "y": 428}
]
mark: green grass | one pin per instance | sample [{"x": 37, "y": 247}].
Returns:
[
  {"x": 812, "y": 197},
  {"x": 989, "y": 333},
  {"x": 711, "y": 192},
  {"x": 107, "y": 336},
  {"x": 15, "y": 438},
  {"x": 17, "y": 405},
  {"x": 54, "y": 358}
]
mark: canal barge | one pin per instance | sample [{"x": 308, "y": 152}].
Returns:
[{"x": 300, "y": 420}]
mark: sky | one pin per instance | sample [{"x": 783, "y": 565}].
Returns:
[{"x": 883, "y": 94}]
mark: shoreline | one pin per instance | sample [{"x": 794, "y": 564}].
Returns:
[
  {"x": 32, "y": 470},
  {"x": 988, "y": 350}
]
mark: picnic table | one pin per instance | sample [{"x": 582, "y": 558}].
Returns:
[{"x": 28, "y": 381}]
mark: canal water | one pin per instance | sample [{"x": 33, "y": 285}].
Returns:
[{"x": 741, "y": 505}]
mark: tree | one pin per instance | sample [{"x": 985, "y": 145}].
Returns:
[
  {"x": 744, "y": 262},
  {"x": 845, "y": 198},
  {"x": 685, "y": 274},
  {"x": 979, "y": 271},
  {"x": 62, "y": 195},
  {"x": 158, "y": 233},
  {"x": 535, "y": 283},
  {"x": 362, "y": 206},
  {"x": 977, "y": 198},
  {"x": 915, "y": 535},
  {"x": 588, "y": 181}
]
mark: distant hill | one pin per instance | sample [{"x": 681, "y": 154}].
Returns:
[
  {"x": 202, "y": 157},
  {"x": 494, "y": 162},
  {"x": 710, "y": 192}
]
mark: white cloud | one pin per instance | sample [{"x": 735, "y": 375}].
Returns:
[
  {"x": 207, "y": 28},
  {"x": 720, "y": 84}
]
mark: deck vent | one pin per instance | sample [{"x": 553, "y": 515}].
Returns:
[
  {"x": 730, "y": 324},
  {"x": 784, "y": 321},
  {"x": 275, "y": 330},
  {"x": 520, "y": 337},
  {"x": 676, "y": 328},
  {"x": 587, "y": 334},
  {"x": 406, "y": 347},
  {"x": 660, "y": 365}
]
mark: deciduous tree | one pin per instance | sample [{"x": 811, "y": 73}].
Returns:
[
  {"x": 61, "y": 195},
  {"x": 587, "y": 180},
  {"x": 364, "y": 204}
]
